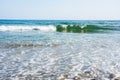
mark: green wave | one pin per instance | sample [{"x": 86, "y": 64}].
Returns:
[{"x": 81, "y": 29}]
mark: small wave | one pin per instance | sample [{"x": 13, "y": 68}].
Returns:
[
  {"x": 16, "y": 45},
  {"x": 27, "y": 28}
]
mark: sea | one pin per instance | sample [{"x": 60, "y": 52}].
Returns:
[{"x": 46, "y": 49}]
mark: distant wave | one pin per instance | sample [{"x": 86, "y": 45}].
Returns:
[{"x": 58, "y": 28}]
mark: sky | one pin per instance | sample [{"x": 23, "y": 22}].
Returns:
[{"x": 60, "y": 9}]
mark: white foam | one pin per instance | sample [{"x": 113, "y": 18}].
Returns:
[
  {"x": 27, "y": 28},
  {"x": 47, "y": 28}
]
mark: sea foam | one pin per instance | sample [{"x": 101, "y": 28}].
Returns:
[{"x": 27, "y": 28}]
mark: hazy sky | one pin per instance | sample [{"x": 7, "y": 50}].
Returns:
[{"x": 60, "y": 9}]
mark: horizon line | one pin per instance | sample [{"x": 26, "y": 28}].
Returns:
[{"x": 67, "y": 19}]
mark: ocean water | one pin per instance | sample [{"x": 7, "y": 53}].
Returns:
[{"x": 45, "y": 49}]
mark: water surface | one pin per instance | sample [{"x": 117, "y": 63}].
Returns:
[{"x": 48, "y": 48}]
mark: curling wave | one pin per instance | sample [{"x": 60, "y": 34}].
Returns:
[{"x": 80, "y": 29}]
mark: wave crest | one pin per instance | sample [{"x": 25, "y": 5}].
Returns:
[{"x": 80, "y": 29}]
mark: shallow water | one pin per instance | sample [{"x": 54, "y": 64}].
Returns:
[{"x": 45, "y": 55}]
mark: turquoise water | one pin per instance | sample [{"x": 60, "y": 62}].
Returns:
[{"x": 54, "y": 47}]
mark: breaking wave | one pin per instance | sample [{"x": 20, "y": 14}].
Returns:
[
  {"x": 27, "y": 28},
  {"x": 58, "y": 28}
]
